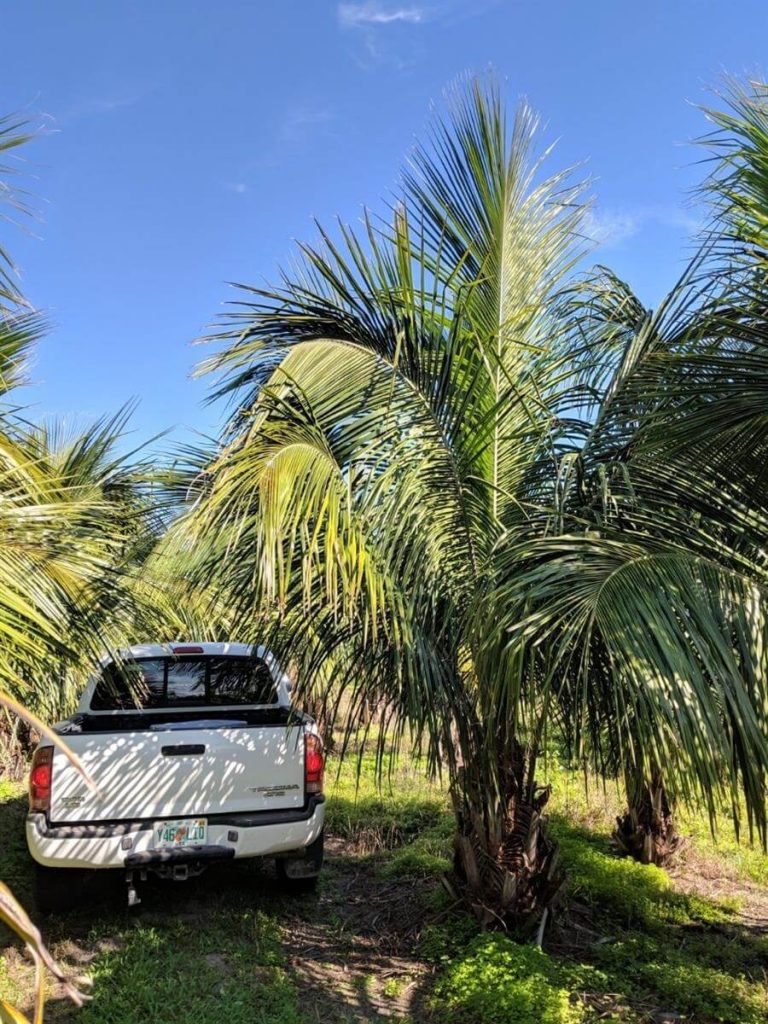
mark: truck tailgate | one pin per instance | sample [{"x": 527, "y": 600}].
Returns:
[{"x": 178, "y": 772}]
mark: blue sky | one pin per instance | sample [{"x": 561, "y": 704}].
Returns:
[{"x": 188, "y": 143}]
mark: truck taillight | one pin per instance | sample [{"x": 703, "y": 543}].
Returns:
[
  {"x": 40, "y": 779},
  {"x": 314, "y": 764}
]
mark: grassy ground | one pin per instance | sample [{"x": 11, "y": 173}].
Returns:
[{"x": 383, "y": 938}]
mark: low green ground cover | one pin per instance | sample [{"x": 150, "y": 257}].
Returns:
[
  {"x": 495, "y": 979},
  {"x": 397, "y": 816},
  {"x": 648, "y": 947},
  {"x": 650, "y": 950},
  {"x": 628, "y": 945}
]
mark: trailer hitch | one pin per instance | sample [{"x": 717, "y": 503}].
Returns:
[{"x": 133, "y": 897}]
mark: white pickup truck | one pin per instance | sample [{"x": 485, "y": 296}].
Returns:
[{"x": 194, "y": 756}]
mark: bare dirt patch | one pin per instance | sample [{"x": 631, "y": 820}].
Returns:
[
  {"x": 353, "y": 952},
  {"x": 699, "y": 875}
]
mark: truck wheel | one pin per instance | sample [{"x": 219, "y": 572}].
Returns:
[
  {"x": 57, "y": 890},
  {"x": 300, "y": 874}
]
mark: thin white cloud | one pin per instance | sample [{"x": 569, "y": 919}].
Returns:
[
  {"x": 610, "y": 227},
  {"x": 370, "y": 13},
  {"x": 96, "y": 106},
  {"x": 302, "y": 124},
  {"x": 373, "y": 14},
  {"x": 384, "y": 33},
  {"x": 304, "y": 120},
  {"x": 677, "y": 217}
]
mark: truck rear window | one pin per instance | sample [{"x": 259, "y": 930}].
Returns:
[{"x": 184, "y": 681}]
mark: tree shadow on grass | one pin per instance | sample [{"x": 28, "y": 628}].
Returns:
[
  {"x": 238, "y": 947},
  {"x": 355, "y": 952}
]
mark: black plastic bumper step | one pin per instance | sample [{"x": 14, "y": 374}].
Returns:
[{"x": 179, "y": 856}]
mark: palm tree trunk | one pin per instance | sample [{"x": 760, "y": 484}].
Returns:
[
  {"x": 503, "y": 855},
  {"x": 324, "y": 720},
  {"x": 647, "y": 830},
  {"x": 16, "y": 742}
]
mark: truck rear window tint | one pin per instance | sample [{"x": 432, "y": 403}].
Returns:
[{"x": 196, "y": 681}]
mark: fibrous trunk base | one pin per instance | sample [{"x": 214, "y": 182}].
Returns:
[
  {"x": 647, "y": 831},
  {"x": 505, "y": 860}
]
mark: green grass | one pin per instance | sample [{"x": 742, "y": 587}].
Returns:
[
  {"x": 424, "y": 857},
  {"x": 746, "y": 859},
  {"x": 637, "y": 894},
  {"x": 10, "y": 789},
  {"x": 653, "y": 947},
  {"x": 597, "y": 804},
  {"x": 217, "y": 954},
  {"x": 680, "y": 977},
  {"x": 685, "y": 951},
  {"x": 10, "y": 990},
  {"x": 228, "y": 969},
  {"x": 14, "y": 858},
  {"x": 223, "y": 961},
  {"x": 401, "y": 820},
  {"x": 406, "y": 809},
  {"x": 382, "y": 812},
  {"x": 648, "y": 946}
]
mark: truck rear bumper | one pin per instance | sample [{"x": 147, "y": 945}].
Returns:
[{"x": 125, "y": 843}]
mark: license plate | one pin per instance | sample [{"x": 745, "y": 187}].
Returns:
[{"x": 186, "y": 832}]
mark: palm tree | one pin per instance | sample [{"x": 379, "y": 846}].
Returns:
[
  {"x": 14, "y": 132},
  {"x": 663, "y": 507},
  {"x": 109, "y": 527},
  {"x": 393, "y": 406},
  {"x": 633, "y": 577},
  {"x": 37, "y": 580},
  {"x": 76, "y": 527},
  {"x": 422, "y": 420}
]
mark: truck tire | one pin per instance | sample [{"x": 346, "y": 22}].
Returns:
[
  {"x": 57, "y": 890},
  {"x": 300, "y": 873}
]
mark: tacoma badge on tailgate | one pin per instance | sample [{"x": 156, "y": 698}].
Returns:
[{"x": 273, "y": 790}]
